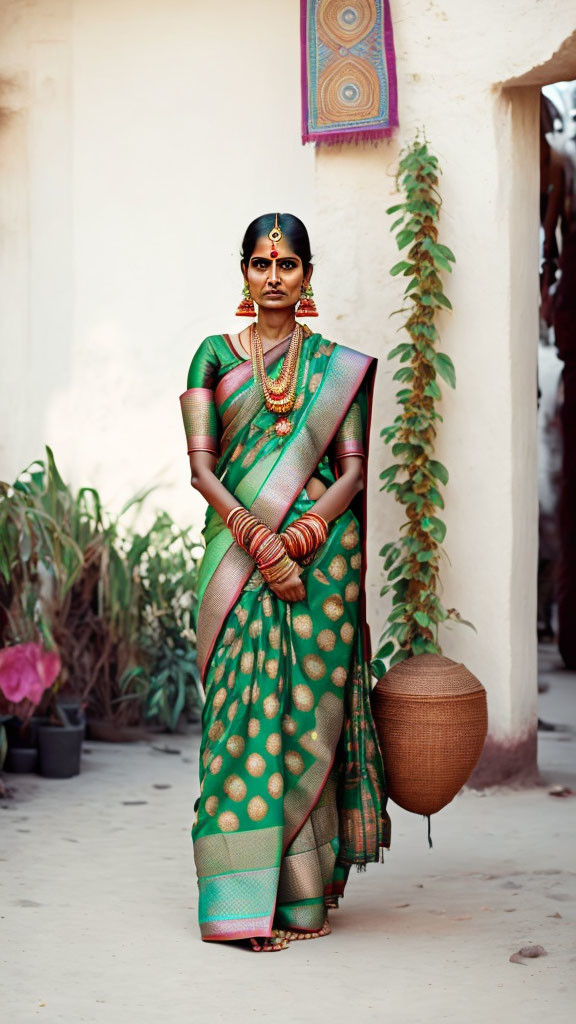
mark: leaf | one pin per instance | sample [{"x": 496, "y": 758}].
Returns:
[
  {"x": 425, "y": 556},
  {"x": 377, "y": 668},
  {"x": 441, "y": 298},
  {"x": 446, "y": 252},
  {"x": 386, "y": 650},
  {"x": 405, "y": 346},
  {"x": 394, "y": 209},
  {"x": 400, "y": 655},
  {"x": 389, "y": 473},
  {"x": 398, "y": 268},
  {"x": 432, "y": 390},
  {"x": 445, "y": 367},
  {"x": 403, "y": 238},
  {"x": 404, "y": 374},
  {"x": 437, "y": 470},
  {"x": 421, "y": 618}
]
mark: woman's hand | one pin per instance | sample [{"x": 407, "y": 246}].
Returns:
[{"x": 291, "y": 589}]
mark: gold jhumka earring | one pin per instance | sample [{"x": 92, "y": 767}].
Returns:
[
  {"x": 246, "y": 307},
  {"x": 307, "y": 306}
]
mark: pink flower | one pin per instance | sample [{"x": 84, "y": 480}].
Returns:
[{"x": 26, "y": 670}]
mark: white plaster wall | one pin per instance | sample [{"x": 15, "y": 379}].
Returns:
[
  {"x": 451, "y": 57},
  {"x": 142, "y": 138}
]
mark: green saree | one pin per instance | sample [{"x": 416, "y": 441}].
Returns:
[{"x": 291, "y": 777}]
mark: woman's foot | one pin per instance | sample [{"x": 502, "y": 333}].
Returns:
[
  {"x": 293, "y": 936},
  {"x": 270, "y": 944}
]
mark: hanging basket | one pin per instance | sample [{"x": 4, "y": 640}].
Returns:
[{"x": 431, "y": 716}]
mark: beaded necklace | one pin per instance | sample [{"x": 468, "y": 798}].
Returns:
[{"x": 280, "y": 392}]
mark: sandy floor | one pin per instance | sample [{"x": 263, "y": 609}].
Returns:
[{"x": 98, "y": 900}]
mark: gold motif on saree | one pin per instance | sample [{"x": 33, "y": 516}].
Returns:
[
  {"x": 235, "y": 787},
  {"x": 271, "y": 667},
  {"x": 241, "y": 614},
  {"x": 255, "y": 628},
  {"x": 247, "y": 662},
  {"x": 350, "y": 538},
  {"x": 326, "y": 640},
  {"x": 302, "y": 695},
  {"x": 274, "y": 743},
  {"x": 216, "y": 730},
  {"x": 356, "y": 560},
  {"x": 253, "y": 727},
  {"x": 347, "y": 632},
  {"x": 271, "y": 706},
  {"x": 313, "y": 665},
  {"x": 276, "y": 785},
  {"x": 235, "y": 745},
  {"x": 352, "y": 591},
  {"x": 338, "y": 568},
  {"x": 228, "y": 821},
  {"x": 333, "y": 607},
  {"x": 246, "y": 695},
  {"x": 255, "y": 765},
  {"x": 319, "y": 575},
  {"x": 289, "y": 725},
  {"x": 257, "y": 808},
  {"x": 219, "y": 698},
  {"x": 211, "y": 805},
  {"x": 303, "y": 626},
  {"x": 294, "y": 762},
  {"x": 232, "y": 710},
  {"x": 216, "y": 765},
  {"x": 339, "y": 676}
]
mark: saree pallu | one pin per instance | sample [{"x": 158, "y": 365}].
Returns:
[{"x": 291, "y": 776}]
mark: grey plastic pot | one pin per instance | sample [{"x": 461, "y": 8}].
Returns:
[{"x": 60, "y": 749}]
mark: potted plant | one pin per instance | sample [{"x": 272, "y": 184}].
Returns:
[
  {"x": 27, "y": 670},
  {"x": 431, "y": 712}
]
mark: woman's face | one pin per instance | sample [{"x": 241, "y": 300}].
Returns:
[{"x": 275, "y": 283}]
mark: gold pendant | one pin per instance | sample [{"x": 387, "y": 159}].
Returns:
[{"x": 283, "y": 427}]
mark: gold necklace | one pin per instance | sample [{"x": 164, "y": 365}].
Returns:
[{"x": 280, "y": 392}]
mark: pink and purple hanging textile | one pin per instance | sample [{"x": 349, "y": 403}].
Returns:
[{"x": 348, "y": 71}]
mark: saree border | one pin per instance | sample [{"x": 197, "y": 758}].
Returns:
[{"x": 346, "y": 371}]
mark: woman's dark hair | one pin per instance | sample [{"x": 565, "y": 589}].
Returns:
[{"x": 290, "y": 226}]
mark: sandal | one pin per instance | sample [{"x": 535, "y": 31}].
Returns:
[
  {"x": 293, "y": 936},
  {"x": 270, "y": 943}
]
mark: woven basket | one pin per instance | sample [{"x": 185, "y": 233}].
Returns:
[{"x": 431, "y": 717}]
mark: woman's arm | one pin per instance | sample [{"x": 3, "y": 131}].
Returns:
[
  {"x": 205, "y": 481},
  {"x": 337, "y": 498}
]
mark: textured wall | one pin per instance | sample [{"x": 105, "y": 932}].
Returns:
[
  {"x": 141, "y": 139},
  {"x": 452, "y": 58}
]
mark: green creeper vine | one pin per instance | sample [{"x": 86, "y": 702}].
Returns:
[{"x": 415, "y": 478}]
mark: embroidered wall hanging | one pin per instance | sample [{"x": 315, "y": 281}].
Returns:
[{"x": 348, "y": 70}]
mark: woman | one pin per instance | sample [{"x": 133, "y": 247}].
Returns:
[{"x": 292, "y": 788}]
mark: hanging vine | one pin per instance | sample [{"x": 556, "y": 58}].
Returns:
[{"x": 412, "y": 563}]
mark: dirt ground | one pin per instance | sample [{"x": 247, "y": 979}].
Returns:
[{"x": 98, "y": 903}]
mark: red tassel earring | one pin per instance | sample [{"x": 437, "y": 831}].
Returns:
[
  {"x": 307, "y": 306},
  {"x": 246, "y": 307}
]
